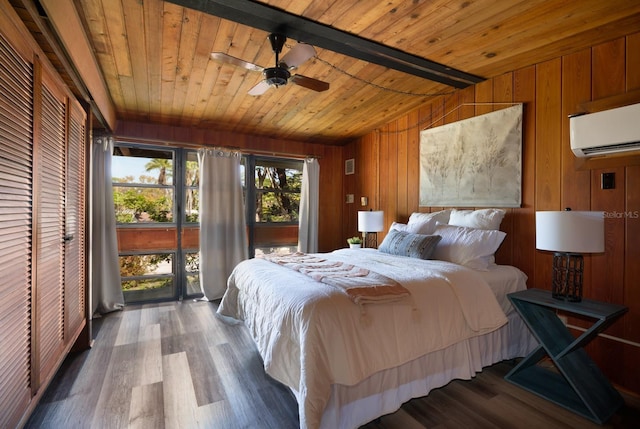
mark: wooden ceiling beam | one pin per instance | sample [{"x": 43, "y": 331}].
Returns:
[{"x": 273, "y": 20}]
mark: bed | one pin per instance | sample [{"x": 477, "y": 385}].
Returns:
[{"x": 351, "y": 357}]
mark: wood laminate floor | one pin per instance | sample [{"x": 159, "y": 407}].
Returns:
[{"x": 175, "y": 365}]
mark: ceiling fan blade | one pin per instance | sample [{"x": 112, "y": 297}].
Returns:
[
  {"x": 298, "y": 55},
  {"x": 224, "y": 58},
  {"x": 309, "y": 82},
  {"x": 260, "y": 88}
]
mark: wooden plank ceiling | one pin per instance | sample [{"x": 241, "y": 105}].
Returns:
[{"x": 155, "y": 57}]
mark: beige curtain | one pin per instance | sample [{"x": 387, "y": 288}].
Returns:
[
  {"x": 223, "y": 236},
  {"x": 106, "y": 289},
  {"x": 309, "y": 205}
]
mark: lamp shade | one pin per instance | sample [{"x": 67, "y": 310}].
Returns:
[
  {"x": 370, "y": 221},
  {"x": 570, "y": 231}
]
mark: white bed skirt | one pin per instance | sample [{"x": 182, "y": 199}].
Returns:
[{"x": 384, "y": 392}]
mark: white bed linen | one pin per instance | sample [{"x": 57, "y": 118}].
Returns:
[
  {"x": 503, "y": 280},
  {"x": 311, "y": 336},
  {"x": 384, "y": 392}
]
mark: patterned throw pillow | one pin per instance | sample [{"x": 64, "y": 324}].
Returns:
[{"x": 403, "y": 243}]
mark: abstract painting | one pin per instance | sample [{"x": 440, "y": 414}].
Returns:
[{"x": 474, "y": 162}]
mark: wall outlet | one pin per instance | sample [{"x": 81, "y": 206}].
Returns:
[{"x": 349, "y": 199}]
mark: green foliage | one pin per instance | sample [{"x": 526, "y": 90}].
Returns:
[
  {"x": 278, "y": 194},
  {"x": 141, "y": 205},
  {"x": 140, "y": 265},
  {"x": 193, "y": 174},
  {"x": 193, "y": 217},
  {"x": 192, "y": 262},
  {"x": 164, "y": 167},
  {"x": 135, "y": 204},
  {"x": 146, "y": 284}
]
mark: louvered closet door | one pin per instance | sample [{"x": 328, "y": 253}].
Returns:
[
  {"x": 74, "y": 277},
  {"x": 50, "y": 186},
  {"x": 16, "y": 153}
]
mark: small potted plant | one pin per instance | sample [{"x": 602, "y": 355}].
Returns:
[{"x": 354, "y": 242}]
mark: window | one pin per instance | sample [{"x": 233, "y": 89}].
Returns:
[
  {"x": 147, "y": 276},
  {"x": 273, "y": 203},
  {"x": 189, "y": 241},
  {"x": 191, "y": 187},
  {"x": 143, "y": 189},
  {"x": 277, "y": 189}
]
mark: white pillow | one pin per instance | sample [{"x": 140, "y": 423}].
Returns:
[
  {"x": 473, "y": 248},
  {"x": 425, "y": 223},
  {"x": 480, "y": 219},
  {"x": 400, "y": 227}
]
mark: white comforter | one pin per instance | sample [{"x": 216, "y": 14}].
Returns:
[{"x": 311, "y": 335}]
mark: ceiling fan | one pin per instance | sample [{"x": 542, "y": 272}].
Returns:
[{"x": 279, "y": 75}]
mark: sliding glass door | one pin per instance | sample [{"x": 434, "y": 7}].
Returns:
[
  {"x": 156, "y": 198},
  {"x": 155, "y": 193}
]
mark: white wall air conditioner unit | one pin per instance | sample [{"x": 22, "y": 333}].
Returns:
[{"x": 607, "y": 132}]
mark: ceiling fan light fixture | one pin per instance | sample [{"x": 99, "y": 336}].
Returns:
[
  {"x": 277, "y": 76},
  {"x": 297, "y": 55}
]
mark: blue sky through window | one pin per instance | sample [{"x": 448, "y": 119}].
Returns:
[{"x": 123, "y": 166}]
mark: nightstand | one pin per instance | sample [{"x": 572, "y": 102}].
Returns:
[{"x": 578, "y": 385}]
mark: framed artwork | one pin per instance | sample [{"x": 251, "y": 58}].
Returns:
[
  {"x": 474, "y": 162},
  {"x": 350, "y": 166}
]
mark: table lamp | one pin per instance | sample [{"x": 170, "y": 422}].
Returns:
[
  {"x": 369, "y": 224},
  {"x": 569, "y": 234}
]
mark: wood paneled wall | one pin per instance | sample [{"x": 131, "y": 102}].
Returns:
[
  {"x": 387, "y": 163},
  {"x": 329, "y": 157}
]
